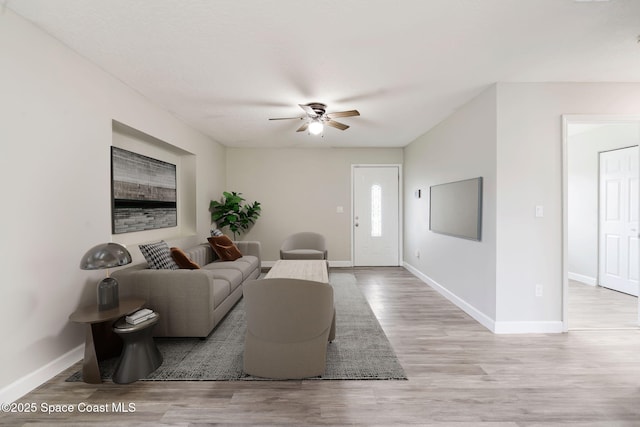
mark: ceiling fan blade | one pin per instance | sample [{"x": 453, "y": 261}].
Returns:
[
  {"x": 288, "y": 118},
  {"x": 349, "y": 113},
  {"x": 304, "y": 127},
  {"x": 310, "y": 111},
  {"x": 336, "y": 125}
]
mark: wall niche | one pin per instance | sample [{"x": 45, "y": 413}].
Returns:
[{"x": 136, "y": 141}]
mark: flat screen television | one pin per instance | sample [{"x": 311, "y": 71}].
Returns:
[{"x": 455, "y": 208}]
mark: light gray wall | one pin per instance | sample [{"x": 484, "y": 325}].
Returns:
[
  {"x": 583, "y": 159},
  {"x": 300, "y": 189},
  {"x": 461, "y": 147},
  {"x": 513, "y": 134},
  {"x": 57, "y": 111},
  {"x": 529, "y": 249}
]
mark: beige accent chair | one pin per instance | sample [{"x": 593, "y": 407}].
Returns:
[
  {"x": 289, "y": 323},
  {"x": 305, "y": 245}
]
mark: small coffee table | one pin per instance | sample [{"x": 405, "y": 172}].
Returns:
[
  {"x": 305, "y": 269},
  {"x": 140, "y": 356},
  {"x": 100, "y": 341}
]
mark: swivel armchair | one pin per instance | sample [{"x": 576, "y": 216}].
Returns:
[
  {"x": 289, "y": 325},
  {"x": 304, "y": 245}
]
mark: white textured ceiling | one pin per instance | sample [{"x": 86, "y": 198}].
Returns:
[{"x": 226, "y": 66}]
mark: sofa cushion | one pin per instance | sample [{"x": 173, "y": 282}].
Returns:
[
  {"x": 224, "y": 248},
  {"x": 183, "y": 260},
  {"x": 201, "y": 254},
  {"x": 245, "y": 265},
  {"x": 158, "y": 256},
  {"x": 234, "y": 277},
  {"x": 302, "y": 254},
  {"x": 252, "y": 262},
  {"x": 221, "y": 290}
]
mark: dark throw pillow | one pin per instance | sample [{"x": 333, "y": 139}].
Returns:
[
  {"x": 183, "y": 260},
  {"x": 224, "y": 248},
  {"x": 158, "y": 256}
]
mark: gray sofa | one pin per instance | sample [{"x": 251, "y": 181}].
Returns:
[{"x": 192, "y": 302}]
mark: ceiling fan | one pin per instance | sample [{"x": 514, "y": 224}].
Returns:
[{"x": 317, "y": 116}]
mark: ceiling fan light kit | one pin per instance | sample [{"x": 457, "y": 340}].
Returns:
[
  {"x": 317, "y": 116},
  {"x": 316, "y": 127}
]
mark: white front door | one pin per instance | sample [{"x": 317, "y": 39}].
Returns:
[
  {"x": 618, "y": 238},
  {"x": 376, "y": 215}
]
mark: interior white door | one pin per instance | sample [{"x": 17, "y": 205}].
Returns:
[
  {"x": 376, "y": 220},
  {"x": 618, "y": 253}
]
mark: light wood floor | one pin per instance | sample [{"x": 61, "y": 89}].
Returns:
[
  {"x": 459, "y": 374},
  {"x": 595, "y": 307}
]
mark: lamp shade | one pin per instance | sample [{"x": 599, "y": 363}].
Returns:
[{"x": 105, "y": 255}]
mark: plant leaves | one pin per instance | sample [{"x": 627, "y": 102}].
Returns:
[{"x": 232, "y": 213}]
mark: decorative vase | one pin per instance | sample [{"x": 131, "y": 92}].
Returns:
[{"x": 108, "y": 294}]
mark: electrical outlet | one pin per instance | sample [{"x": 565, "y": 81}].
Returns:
[{"x": 538, "y": 290}]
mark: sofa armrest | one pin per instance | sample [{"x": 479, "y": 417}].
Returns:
[{"x": 249, "y": 247}]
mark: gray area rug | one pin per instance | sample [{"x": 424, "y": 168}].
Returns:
[{"x": 361, "y": 350}]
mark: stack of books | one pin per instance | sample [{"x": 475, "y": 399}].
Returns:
[{"x": 140, "y": 316}]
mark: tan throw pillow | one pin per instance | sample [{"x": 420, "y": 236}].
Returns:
[
  {"x": 183, "y": 260},
  {"x": 224, "y": 248}
]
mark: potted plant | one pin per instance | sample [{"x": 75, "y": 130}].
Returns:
[{"x": 232, "y": 212}]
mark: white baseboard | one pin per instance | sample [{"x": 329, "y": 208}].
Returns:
[
  {"x": 269, "y": 264},
  {"x": 343, "y": 264},
  {"x": 536, "y": 327},
  {"x": 549, "y": 327},
  {"x": 24, "y": 385},
  {"x": 479, "y": 316},
  {"x": 583, "y": 279}
]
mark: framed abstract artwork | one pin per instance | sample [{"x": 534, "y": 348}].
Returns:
[{"x": 143, "y": 192}]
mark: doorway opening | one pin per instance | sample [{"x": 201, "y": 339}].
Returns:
[{"x": 599, "y": 211}]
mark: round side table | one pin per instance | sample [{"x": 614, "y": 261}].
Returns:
[
  {"x": 100, "y": 342},
  {"x": 140, "y": 356}
]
